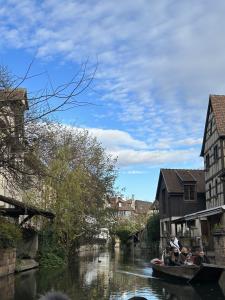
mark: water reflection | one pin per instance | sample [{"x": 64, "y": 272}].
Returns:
[
  {"x": 103, "y": 276},
  {"x": 7, "y": 287}
]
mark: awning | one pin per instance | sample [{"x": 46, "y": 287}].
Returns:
[{"x": 200, "y": 214}]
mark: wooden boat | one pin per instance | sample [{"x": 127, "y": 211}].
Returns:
[{"x": 188, "y": 273}]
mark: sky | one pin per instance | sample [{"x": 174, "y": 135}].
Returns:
[{"x": 157, "y": 62}]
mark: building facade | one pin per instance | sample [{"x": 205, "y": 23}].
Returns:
[
  {"x": 213, "y": 151},
  {"x": 179, "y": 192},
  {"x": 13, "y": 104},
  {"x": 206, "y": 222},
  {"x": 126, "y": 208}
]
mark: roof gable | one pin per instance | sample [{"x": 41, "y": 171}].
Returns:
[
  {"x": 176, "y": 178},
  {"x": 217, "y": 104}
]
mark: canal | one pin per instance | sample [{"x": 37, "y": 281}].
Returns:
[{"x": 105, "y": 275}]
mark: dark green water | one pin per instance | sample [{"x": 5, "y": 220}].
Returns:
[{"x": 116, "y": 276}]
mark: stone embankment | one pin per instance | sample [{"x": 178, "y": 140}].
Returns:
[{"x": 7, "y": 261}]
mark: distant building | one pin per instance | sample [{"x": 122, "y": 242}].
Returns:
[
  {"x": 179, "y": 192},
  {"x": 126, "y": 208}
]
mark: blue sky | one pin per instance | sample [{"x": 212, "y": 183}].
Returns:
[{"x": 158, "y": 61}]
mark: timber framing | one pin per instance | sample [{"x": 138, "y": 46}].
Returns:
[{"x": 21, "y": 209}]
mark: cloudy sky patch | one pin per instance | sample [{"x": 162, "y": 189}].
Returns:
[{"x": 158, "y": 61}]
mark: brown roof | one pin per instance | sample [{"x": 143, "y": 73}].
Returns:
[
  {"x": 18, "y": 94},
  {"x": 175, "y": 178},
  {"x": 141, "y": 205},
  {"x": 218, "y": 106},
  {"x": 217, "y": 102}
]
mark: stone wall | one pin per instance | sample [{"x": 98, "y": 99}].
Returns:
[
  {"x": 28, "y": 246},
  {"x": 219, "y": 246},
  {"x": 7, "y": 261}
]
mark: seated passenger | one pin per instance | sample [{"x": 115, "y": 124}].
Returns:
[
  {"x": 183, "y": 254},
  {"x": 175, "y": 258},
  {"x": 167, "y": 256},
  {"x": 201, "y": 258},
  {"x": 186, "y": 256}
]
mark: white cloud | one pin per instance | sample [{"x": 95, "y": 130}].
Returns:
[
  {"x": 133, "y": 152},
  {"x": 131, "y": 157},
  {"x": 133, "y": 172},
  {"x": 111, "y": 139},
  {"x": 158, "y": 60}
]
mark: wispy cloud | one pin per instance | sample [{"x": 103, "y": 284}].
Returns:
[
  {"x": 132, "y": 152},
  {"x": 158, "y": 61}
]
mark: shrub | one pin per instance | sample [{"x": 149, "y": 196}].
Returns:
[
  {"x": 10, "y": 234},
  {"x": 51, "y": 253},
  {"x": 153, "y": 228},
  {"x": 51, "y": 260}
]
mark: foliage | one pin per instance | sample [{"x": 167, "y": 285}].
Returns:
[
  {"x": 125, "y": 227},
  {"x": 153, "y": 228},
  {"x": 80, "y": 175},
  {"x": 218, "y": 227},
  {"x": 15, "y": 117},
  {"x": 51, "y": 253},
  {"x": 51, "y": 260},
  {"x": 10, "y": 234}
]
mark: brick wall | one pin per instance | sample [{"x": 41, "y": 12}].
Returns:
[
  {"x": 7, "y": 261},
  {"x": 219, "y": 247}
]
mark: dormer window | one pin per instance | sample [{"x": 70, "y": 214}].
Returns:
[{"x": 189, "y": 192}]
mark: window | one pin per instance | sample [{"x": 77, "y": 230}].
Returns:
[
  {"x": 216, "y": 188},
  {"x": 215, "y": 153},
  {"x": 210, "y": 191},
  {"x": 207, "y": 162},
  {"x": 210, "y": 128},
  {"x": 164, "y": 201},
  {"x": 189, "y": 192}
]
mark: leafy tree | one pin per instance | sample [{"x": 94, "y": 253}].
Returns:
[
  {"x": 80, "y": 175},
  {"x": 17, "y": 158},
  {"x": 10, "y": 234},
  {"x": 153, "y": 228}
]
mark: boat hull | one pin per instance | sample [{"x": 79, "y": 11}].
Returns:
[{"x": 192, "y": 273}]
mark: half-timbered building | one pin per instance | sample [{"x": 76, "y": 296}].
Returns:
[
  {"x": 213, "y": 151},
  {"x": 205, "y": 222}
]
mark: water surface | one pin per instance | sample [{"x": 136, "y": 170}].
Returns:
[{"x": 106, "y": 275}]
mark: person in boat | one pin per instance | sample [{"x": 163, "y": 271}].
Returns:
[
  {"x": 175, "y": 259},
  {"x": 201, "y": 258},
  {"x": 175, "y": 243},
  {"x": 186, "y": 256},
  {"x": 166, "y": 257}
]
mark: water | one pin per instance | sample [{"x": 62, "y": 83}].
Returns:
[{"x": 103, "y": 276}]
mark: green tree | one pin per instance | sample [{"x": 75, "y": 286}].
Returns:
[
  {"x": 153, "y": 228},
  {"x": 79, "y": 176}
]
